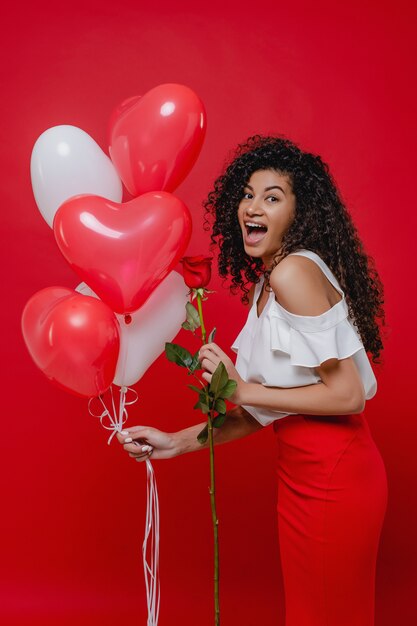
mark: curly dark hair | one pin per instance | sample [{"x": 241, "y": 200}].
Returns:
[{"x": 322, "y": 224}]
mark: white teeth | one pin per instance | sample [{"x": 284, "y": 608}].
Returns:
[{"x": 255, "y": 225}]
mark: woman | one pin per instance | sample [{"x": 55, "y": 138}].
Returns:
[{"x": 302, "y": 365}]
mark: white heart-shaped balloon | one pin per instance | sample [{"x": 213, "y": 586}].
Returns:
[
  {"x": 156, "y": 322},
  {"x": 67, "y": 162}
]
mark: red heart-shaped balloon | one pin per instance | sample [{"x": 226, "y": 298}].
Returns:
[
  {"x": 156, "y": 139},
  {"x": 123, "y": 251},
  {"x": 73, "y": 339}
]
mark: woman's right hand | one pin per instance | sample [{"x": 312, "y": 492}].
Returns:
[{"x": 142, "y": 442}]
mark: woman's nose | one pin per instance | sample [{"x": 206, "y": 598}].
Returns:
[{"x": 254, "y": 207}]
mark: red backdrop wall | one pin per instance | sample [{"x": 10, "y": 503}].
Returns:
[{"x": 335, "y": 77}]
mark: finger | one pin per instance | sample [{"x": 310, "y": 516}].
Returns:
[
  {"x": 121, "y": 436},
  {"x": 140, "y": 455},
  {"x": 136, "y": 449},
  {"x": 216, "y": 349},
  {"x": 147, "y": 454},
  {"x": 209, "y": 348},
  {"x": 213, "y": 358},
  {"x": 207, "y": 377},
  {"x": 144, "y": 458},
  {"x": 202, "y": 353},
  {"x": 213, "y": 347},
  {"x": 208, "y": 365},
  {"x": 134, "y": 432},
  {"x": 139, "y": 431}
]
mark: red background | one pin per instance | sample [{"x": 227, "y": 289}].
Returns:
[{"x": 338, "y": 79}]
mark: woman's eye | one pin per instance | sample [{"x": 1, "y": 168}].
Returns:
[{"x": 247, "y": 196}]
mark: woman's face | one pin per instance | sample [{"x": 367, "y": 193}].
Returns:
[{"x": 265, "y": 213}]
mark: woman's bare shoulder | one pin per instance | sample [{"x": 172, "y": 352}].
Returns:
[{"x": 299, "y": 286}]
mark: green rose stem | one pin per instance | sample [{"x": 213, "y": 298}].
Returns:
[
  {"x": 215, "y": 522},
  {"x": 212, "y": 489},
  {"x": 200, "y": 313}
]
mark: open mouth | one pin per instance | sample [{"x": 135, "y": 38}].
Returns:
[{"x": 255, "y": 232}]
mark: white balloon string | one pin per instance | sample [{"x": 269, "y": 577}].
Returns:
[
  {"x": 122, "y": 365},
  {"x": 151, "y": 570},
  {"x": 123, "y": 404},
  {"x": 112, "y": 400},
  {"x": 150, "y": 546},
  {"x": 115, "y": 421},
  {"x": 134, "y": 397}
]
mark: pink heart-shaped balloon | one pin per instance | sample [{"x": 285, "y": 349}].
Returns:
[
  {"x": 73, "y": 339},
  {"x": 156, "y": 139},
  {"x": 123, "y": 251}
]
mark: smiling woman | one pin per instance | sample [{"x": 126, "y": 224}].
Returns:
[
  {"x": 265, "y": 213},
  {"x": 302, "y": 365}
]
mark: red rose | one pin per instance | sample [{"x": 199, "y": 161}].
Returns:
[{"x": 197, "y": 270}]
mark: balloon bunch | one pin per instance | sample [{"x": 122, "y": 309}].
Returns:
[{"x": 109, "y": 330}]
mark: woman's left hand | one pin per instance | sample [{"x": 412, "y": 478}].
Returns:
[{"x": 210, "y": 356}]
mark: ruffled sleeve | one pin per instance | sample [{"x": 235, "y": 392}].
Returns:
[
  {"x": 242, "y": 343},
  {"x": 311, "y": 340}
]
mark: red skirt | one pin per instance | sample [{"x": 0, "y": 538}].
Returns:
[{"x": 332, "y": 499}]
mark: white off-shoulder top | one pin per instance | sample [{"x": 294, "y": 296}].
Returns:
[{"x": 282, "y": 349}]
